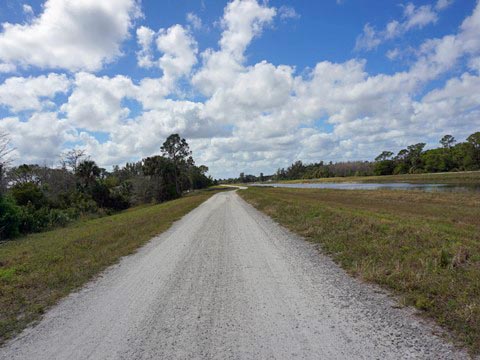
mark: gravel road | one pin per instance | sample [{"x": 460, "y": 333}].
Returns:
[{"x": 226, "y": 282}]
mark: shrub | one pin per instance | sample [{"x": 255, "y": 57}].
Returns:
[
  {"x": 9, "y": 218},
  {"x": 28, "y": 193}
]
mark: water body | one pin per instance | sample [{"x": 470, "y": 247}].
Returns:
[{"x": 379, "y": 186}]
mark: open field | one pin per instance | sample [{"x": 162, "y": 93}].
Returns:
[
  {"x": 39, "y": 269},
  {"x": 465, "y": 177},
  {"x": 423, "y": 246}
]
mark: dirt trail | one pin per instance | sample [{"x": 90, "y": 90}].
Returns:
[{"x": 226, "y": 282}]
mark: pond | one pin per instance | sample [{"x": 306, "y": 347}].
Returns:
[{"x": 380, "y": 186}]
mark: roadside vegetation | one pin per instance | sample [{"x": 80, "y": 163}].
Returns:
[
  {"x": 36, "y": 198},
  {"x": 38, "y": 269},
  {"x": 425, "y": 246},
  {"x": 451, "y": 156}
]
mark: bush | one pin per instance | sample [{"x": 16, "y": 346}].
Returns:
[
  {"x": 33, "y": 220},
  {"x": 36, "y": 220},
  {"x": 61, "y": 217},
  {"x": 28, "y": 193},
  {"x": 10, "y": 216}
]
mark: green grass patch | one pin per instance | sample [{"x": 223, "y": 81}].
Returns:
[
  {"x": 423, "y": 246},
  {"x": 454, "y": 178},
  {"x": 38, "y": 270}
]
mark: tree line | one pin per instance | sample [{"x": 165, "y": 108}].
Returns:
[
  {"x": 35, "y": 198},
  {"x": 449, "y": 156}
]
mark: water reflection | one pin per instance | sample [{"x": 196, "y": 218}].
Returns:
[{"x": 380, "y": 186}]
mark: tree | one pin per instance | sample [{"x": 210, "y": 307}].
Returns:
[
  {"x": 177, "y": 150},
  {"x": 24, "y": 174},
  {"x": 447, "y": 141},
  {"x": 384, "y": 165},
  {"x": 415, "y": 156},
  {"x": 385, "y": 155},
  {"x": 162, "y": 173},
  {"x": 474, "y": 141},
  {"x": 87, "y": 172},
  {"x": 241, "y": 178},
  {"x": 72, "y": 158}
]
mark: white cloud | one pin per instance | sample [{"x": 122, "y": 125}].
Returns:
[
  {"x": 194, "y": 20},
  {"x": 241, "y": 22},
  {"x": 418, "y": 17},
  {"x": 393, "y": 54},
  {"x": 179, "y": 55},
  {"x": 66, "y": 35},
  {"x": 96, "y": 102},
  {"x": 287, "y": 12},
  {"x": 259, "y": 116},
  {"x": 7, "y": 68},
  {"x": 443, "y": 4},
  {"x": 369, "y": 39},
  {"x": 32, "y": 93},
  {"x": 40, "y": 139},
  {"x": 27, "y": 9},
  {"x": 179, "y": 52},
  {"x": 145, "y": 37},
  {"x": 413, "y": 18}
]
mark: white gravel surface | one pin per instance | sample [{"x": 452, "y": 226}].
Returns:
[{"x": 226, "y": 282}]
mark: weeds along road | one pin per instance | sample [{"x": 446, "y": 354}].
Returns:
[{"x": 226, "y": 282}]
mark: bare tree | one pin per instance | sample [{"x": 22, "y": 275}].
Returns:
[{"x": 72, "y": 158}]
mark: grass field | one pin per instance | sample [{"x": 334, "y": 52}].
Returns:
[
  {"x": 423, "y": 246},
  {"x": 38, "y": 270},
  {"x": 465, "y": 177}
]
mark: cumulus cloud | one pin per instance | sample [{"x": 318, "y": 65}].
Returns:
[
  {"x": 240, "y": 116},
  {"x": 241, "y": 22},
  {"x": 32, "y": 93},
  {"x": 179, "y": 54},
  {"x": 72, "y": 35},
  {"x": 40, "y": 139},
  {"x": 104, "y": 110},
  {"x": 145, "y": 38}
]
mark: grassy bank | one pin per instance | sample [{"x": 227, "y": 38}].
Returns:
[
  {"x": 424, "y": 246},
  {"x": 465, "y": 177},
  {"x": 39, "y": 269}
]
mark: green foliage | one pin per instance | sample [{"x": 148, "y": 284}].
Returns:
[
  {"x": 44, "y": 198},
  {"x": 10, "y": 215},
  {"x": 384, "y": 167},
  {"x": 28, "y": 193}
]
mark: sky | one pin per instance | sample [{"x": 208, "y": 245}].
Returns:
[{"x": 252, "y": 85}]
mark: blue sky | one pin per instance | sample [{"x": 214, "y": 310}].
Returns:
[{"x": 252, "y": 85}]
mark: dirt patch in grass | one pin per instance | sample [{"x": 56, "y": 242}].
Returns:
[
  {"x": 39, "y": 269},
  {"x": 424, "y": 246}
]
